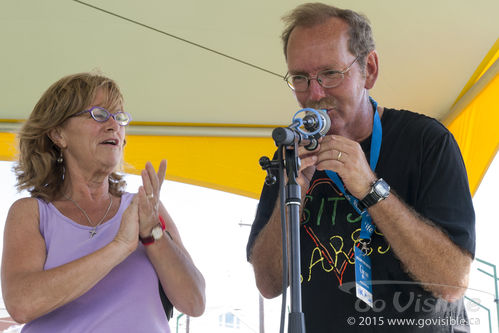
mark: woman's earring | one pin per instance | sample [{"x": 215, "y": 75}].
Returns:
[{"x": 60, "y": 159}]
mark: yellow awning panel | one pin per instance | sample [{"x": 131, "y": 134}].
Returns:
[
  {"x": 224, "y": 163},
  {"x": 7, "y": 146},
  {"x": 476, "y": 131},
  {"x": 475, "y": 124}
]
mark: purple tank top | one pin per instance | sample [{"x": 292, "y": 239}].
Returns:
[{"x": 125, "y": 300}]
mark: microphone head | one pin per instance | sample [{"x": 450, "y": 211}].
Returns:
[
  {"x": 326, "y": 122},
  {"x": 315, "y": 118}
]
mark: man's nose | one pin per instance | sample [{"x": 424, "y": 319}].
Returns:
[{"x": 316, "y": 91}]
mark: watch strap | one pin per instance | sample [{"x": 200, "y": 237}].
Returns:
[
  {"x": 147, "y": 240},
  {"x": 370, "y": 199}
]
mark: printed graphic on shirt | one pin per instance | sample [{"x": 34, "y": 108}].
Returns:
[{"x": 331, "y": 229}]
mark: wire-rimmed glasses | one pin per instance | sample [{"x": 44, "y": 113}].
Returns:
[{"x": 327, "y": 78}]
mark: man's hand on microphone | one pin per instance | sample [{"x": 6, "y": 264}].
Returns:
[
  {"x": 308, "y": 160},
  {"x": 346, "y": 158}
]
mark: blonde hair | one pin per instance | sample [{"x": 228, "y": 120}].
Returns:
[{"x": 37, "y": 169}]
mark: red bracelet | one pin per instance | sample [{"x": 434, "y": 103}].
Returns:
[{"x": 163, "y": 224}]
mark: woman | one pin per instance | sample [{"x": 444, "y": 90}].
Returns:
[{"x": 72, "y": 259}]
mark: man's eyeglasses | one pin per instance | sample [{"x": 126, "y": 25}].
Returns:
[
  {"x": 327, "y": 78},
  {"x": 101, "y": 115}
]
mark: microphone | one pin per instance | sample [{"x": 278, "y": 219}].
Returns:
[
  {"x": 306, "y": 131},
  {"x": 318, "y": 121}
]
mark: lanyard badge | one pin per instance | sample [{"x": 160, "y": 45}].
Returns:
[
  {"x": 363, "y": 284},
  {"x": 363, "y": 277}
]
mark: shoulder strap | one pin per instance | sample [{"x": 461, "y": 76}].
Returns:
[{"x": 167, "y": 305}]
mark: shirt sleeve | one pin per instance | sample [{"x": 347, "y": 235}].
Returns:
[
  {"x": 268, "y": 198},
  {"x": 444, "y": 194}
]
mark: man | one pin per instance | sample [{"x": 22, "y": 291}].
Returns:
[{"x": 423, "y": 241}]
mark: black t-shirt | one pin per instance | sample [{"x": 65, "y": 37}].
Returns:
[{"x": 421, "y": 161}]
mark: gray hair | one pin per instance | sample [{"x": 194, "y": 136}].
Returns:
[{"x": 361, "y": 41}]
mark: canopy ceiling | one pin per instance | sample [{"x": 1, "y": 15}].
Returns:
[{"x": 428, "y": 52}]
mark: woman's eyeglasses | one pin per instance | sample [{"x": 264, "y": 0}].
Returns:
[{"x": 101, "y": 115}]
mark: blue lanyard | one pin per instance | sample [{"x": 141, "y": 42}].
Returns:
[{"x": 367, "y": 227}]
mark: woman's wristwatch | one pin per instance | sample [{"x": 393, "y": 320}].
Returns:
[{"x": 156, "y": 233}]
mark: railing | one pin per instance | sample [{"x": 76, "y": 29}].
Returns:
[{"x": 496, "y": 298}]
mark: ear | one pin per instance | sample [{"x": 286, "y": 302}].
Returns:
[
  {"x": 55, "y": 134},
  {"x": 371, "y": 69}
]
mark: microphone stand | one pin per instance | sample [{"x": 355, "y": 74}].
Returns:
[
  {"x": 296, "y": 322},
  {"x": 289, "y": 139}
]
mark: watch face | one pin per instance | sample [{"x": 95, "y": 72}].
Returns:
[
  {"x": 382, "y": 188},
  {"x": 157, "y": 232}
]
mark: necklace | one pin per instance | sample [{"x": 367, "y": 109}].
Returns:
[{"x": 92, "y": 232}]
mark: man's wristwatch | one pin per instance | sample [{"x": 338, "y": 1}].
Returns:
[
  {"x": 156, "y": 233},
  {"x": 380, "y": 190}
]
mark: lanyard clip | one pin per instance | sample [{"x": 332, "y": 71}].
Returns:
[{"x": 365, "y": 245}]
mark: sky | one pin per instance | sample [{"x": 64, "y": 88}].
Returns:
[{"x": 214, "y": 228}]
